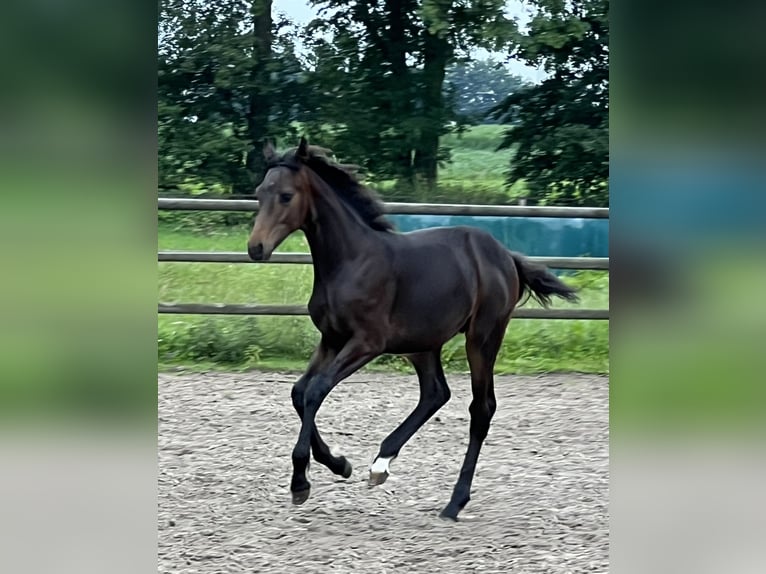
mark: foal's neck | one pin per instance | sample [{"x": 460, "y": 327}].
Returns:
[{"x": 336, "y": 235}]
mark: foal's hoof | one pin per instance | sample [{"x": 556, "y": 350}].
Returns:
[
  {"x": 346, "y": 469},
  {"x": 300, "y": 496},
  {"x": 449, "y": 514},
  {"x": 377, "y": 478}
]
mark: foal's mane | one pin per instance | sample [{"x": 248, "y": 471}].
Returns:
[{"x": 342, "y": 179}]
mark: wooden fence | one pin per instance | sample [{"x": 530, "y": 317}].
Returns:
[{"x": 597, "y": 263}]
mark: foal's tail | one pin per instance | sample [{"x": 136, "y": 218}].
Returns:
[{"x": 538, "y": 282}]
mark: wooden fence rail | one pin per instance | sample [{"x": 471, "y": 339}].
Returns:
[
  {"x": 220, "y": 309},
  {"x": 595, "y": 263},
  {"x": 168, "y": 203}
]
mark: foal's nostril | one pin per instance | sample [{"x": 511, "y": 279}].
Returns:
[{"x": 255, "y": 252}]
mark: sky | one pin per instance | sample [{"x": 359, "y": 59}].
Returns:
[{"x": 300, "y": 12}]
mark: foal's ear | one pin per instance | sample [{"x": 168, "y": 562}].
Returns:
[
  {"x": 303, "y": 148},
  {"x": 269, "y": 153}
]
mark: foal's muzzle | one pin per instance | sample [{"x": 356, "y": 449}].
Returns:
[{"x": 255, "y": 252}]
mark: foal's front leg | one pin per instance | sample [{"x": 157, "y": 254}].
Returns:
[
  {"x": 337, "y": 464},
  {"x": 354, "y": 355},
  {"x": 322, "y": 454}
]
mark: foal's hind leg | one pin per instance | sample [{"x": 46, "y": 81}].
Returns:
[
  {"x": 481, "y": 351},
  {"x": 434, "y": 393}
]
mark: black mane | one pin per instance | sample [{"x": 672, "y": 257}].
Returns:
[{"x": 343, "y": 181}]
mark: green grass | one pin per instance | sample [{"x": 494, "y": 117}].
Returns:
[
  {"x": 476, "y": 172},
  {"x": 286, "y": 342},
  {"x": 484, "y": 137}
]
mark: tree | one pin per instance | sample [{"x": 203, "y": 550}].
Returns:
[
  {"x": 260, "y": 105},
  {"x": 451, "y": 28},
  {"x": 561, "y": 126},
  {"x": 362, "y": 82},
  {"x": 388, "y": 60},
  {"x": 200, "y": 100},
  {"x": 223, "y": 66}
]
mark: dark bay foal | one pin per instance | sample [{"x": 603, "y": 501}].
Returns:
[{"x": 377, "y": 291}]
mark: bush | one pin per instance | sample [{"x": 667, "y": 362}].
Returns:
[{"x": 203, "y": 221}]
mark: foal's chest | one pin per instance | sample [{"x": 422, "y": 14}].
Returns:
[
  {"x": 327, "y": 314},
  {"x": 338, "y": 312}
]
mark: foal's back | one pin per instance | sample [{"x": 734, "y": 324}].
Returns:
[{"x": 444, "y": 276}]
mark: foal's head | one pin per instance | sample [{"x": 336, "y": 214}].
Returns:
[
  {"x": 284, "y": 199},
  {"x": 289, "y": 191}
]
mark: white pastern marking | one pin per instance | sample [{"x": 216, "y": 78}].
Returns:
[{"x": 381, "y": 464}]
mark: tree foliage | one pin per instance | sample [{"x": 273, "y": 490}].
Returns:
[
  {"x": 389, "y": 59},
  {"x": 381, "y": 82},
  {"x": 560, "y": 130},
  {"x": 223, "y": 65}
]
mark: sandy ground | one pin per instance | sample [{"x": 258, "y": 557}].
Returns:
[{"x": 539, "y": 500}]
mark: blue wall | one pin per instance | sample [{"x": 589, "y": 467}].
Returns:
[{"x": 535, "y": 236}]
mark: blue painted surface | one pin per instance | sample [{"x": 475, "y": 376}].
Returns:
[
  {"x": 535, "y": 236},
  {"x": 691, "y": 199}
]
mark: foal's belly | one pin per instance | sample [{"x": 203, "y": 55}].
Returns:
[
  {"x": 430, "y": 310},
  {"x": 426, "y": 328},
  {"x": 430, "y": 341}
]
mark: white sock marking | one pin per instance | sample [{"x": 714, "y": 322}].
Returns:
[{"x": 381, "y": 464}]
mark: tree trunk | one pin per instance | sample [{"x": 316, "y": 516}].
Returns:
[
  {"x": 436, "y": 54},
  {"x": 260, "y": 92},
  {"x": 400, "y": 82}
]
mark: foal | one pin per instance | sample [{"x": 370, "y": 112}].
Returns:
[{"x": 378, "y": 291}]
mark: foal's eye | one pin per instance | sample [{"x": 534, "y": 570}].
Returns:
[{"x": 285, "y": 197}]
